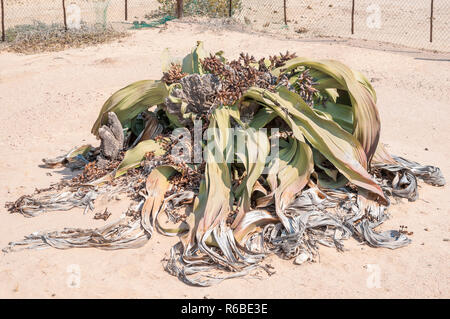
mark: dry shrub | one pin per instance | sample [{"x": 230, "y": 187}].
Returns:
[
  {"x": 211, "y": 8},
  {"x": 41, "y": 37}
]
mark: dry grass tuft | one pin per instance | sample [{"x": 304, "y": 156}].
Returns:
[{"x": 41, "y": 37}]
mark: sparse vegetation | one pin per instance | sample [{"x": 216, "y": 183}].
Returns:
[
  {"x": 210, "y": 8},
  {"x": 41, "y": 37}
]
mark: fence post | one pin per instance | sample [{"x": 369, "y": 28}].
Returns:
[
  {"x": 285, "y": 13},
  {"x": 179, "y": 9},
  {"x": 126, "y": 10},
  {"x": 353, "y": 16},
  {"x": 230, "y": 7},
  {"x": 431, "y": 22},
  {"x": 3, "y": 22},
  {"x": 64, "y": 14}
]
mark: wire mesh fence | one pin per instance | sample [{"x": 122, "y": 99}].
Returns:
[
  {"x": 404, "y": 22},
  {"x": 72, "y": 13},
  {"x": 413, "y": 23}
]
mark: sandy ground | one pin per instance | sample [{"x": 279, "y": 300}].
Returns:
[
  {"x": 49, "y": 101},
  {"x": 404, "y": 22}
]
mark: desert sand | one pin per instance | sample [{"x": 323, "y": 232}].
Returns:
[{"x": 49, "y": 101}]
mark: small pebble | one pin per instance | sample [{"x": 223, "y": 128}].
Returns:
[
  {"x": 446, "y": 239},
  {"x": 301, "y": 259}
]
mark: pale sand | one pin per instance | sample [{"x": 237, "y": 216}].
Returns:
[{"x": 49, "y": 101}]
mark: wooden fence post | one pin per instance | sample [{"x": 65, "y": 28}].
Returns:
[
  {"x": 431, "y": 22},
  {"x": 230, "y": 7},
  {"x": 64, "y": 14},
  {"x": 285, "y": 12},
  {"x": 179, "y": 9},
  {"x": 3, "y": 22},
  {"x": 353, "y": 16}
]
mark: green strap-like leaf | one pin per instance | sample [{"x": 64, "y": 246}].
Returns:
[
  {"x": 366, "y": 124},
  {"x": 191, "y": 63},
  {"x": 134, "y": 156},
  {"x": 133, "y": 99},
  {"x": 255, "y": 151},
  {"x": 340, "y": 113},
  {"x": 337, "y": 145},
  {"x": 215, "y": 198},
  {"x": 156, "y": 185},
  {"x": 293, "y": 178}
]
